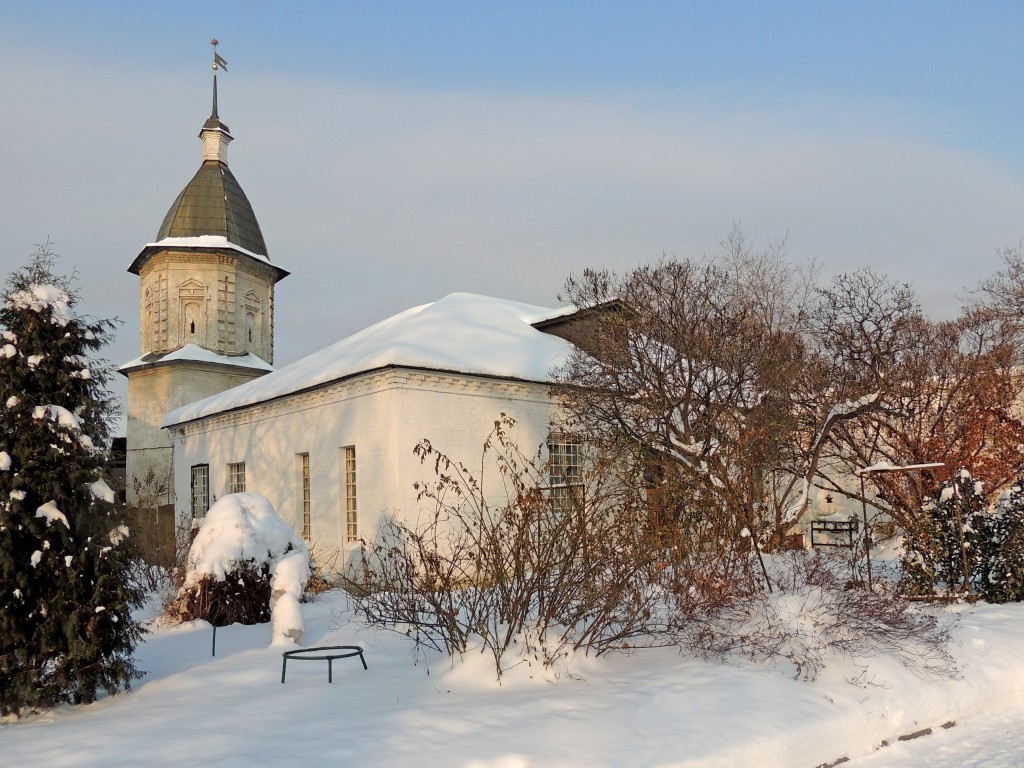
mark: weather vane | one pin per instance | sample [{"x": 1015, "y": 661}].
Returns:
[{"x": 218, "y": 60}]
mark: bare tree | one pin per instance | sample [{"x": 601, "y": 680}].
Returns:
[
  {"x": 728, "y": 379},
  {"x": 519, "y": 574}
]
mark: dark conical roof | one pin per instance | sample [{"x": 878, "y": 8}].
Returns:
[{"x": 213, "y": 203}]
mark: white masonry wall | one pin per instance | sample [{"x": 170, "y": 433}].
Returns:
[{"x": 383, "y": 414}]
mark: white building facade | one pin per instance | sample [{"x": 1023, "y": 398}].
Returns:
[{"x": 329, "y": 440}]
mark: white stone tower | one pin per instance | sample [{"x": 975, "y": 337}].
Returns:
[{"x": 207, "y": 309}]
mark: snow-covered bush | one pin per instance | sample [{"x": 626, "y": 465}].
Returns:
[
  {"x": 944, "y": 545},
  {"x": 245, "y": 564},
  {"x": 66, "y": 629},
  {"x": 1000, "y": 578},
  {"x": 960, "y": 541},
  {"x": 811, "y": 614}
]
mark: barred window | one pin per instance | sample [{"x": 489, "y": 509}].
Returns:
[
  {"x": 351, "y": 514},
  {"x": 200, "y": 490},
  {"x": 565, "y": 486},
  {"x": 304, "y": 488},
  {"x": 236, "y": 477}
]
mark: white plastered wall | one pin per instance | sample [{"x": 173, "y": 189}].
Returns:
[
  {"x": 383, "y": 414},
  {"x": 154, "y": 391}
]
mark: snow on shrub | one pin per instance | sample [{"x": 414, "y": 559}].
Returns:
[
  {"x": 63, "y": 419},
  {"x": 243, "y": 560},
  {"x": 50, "y": 512},
  {"x": 290, "y": 575},
  {"x": 40, "y": 297},
  {"x": 100, "y": 490},
  {"x": 1000, "y": 576}
]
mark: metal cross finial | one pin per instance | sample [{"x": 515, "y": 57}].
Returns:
[
  {"x": 218, "y": 63},
  {"x": 218, "y": 60}
]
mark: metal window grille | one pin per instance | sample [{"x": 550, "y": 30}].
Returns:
[
  {"x": 236, "y": 477},
  {"x": 200, "y": 490},
  {"x": 565, "y": 487},
  {"x": 351, "y": 514},
  {"x": 306, "y": 515}
]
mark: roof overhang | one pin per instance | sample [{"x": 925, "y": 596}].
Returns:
[
  {"x": 176, "y": 244},
  {"x": 193, "y": 356},
  {"x": 572, "y": 314},
  {"x": 168, "y": 423}
]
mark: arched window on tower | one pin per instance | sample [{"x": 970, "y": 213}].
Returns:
[
  {"x": 253, "y": 305},
  {"x": 192, "y": 308},
  {"x": 191, "y": 315}
]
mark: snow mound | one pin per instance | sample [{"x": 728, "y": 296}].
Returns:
[
  {"x": 244, "y": 526},
  {"x": 240, "y": 526}
]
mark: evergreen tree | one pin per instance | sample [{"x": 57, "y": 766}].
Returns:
[
  {"x": 1001, "y": 577},
  {"x": 946, "y": 542},
  {"x": 66, "y": 628}
]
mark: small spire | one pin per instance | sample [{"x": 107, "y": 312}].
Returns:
[
  {"x": 215, "y": 134},
  {"x": 218, "y": 61}
]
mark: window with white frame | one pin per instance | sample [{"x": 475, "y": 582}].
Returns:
[
  {"x": 236, "y": 477},
  {"x": 351, "y": 510},
  {"x": 565, "y": 485},
  {"x": 200, "y": 490},
  {"x": 304, "y": 490}
]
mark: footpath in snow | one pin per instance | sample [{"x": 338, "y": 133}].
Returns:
[{"x": 654, "y": 708}]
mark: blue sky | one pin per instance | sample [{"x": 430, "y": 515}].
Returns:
[
  {"x": 960, "y": 59},
  {"x": 395, "y": 152}
]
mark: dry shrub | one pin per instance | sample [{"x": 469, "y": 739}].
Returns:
[
  {"x": 165, "y": 579},
  {"x": 534, "y": 578},
  {"x": 323, "y": 562},
  {"x": 529, "y": 577},
  {"x": 813, "y": 614},
  {"x": 243, "y": 597}
]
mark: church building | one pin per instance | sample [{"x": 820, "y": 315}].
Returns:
[{"x": 328, "y": 439}]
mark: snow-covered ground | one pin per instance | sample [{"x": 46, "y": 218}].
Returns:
[
  {"x": 984, "y": 740},
  {"x": 654, "y": 708}
]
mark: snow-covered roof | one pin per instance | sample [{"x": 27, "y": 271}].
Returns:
[
  {"x": 463, "y": 332},
  {"x": 203, "y": 243},
  {"x": 195, "y": 353},
  {"x": 206, "y": 241}
]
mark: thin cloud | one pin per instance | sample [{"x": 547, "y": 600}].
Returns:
[{"x": 377, "y": 198}]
